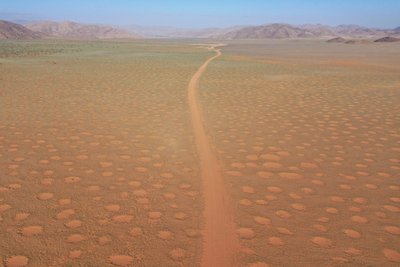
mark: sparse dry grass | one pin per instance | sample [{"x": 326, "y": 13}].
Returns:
[
  {"x": 310, "y": 153},
  {"x": 105, "y": 132},
  {"x": 99, "y": 166}
]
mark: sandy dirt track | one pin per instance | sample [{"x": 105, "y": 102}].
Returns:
[{"x": 220, "y": 240}]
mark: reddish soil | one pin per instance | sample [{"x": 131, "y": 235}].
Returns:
[{"x": 220, "y": 241}]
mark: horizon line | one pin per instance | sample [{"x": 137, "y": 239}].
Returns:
[{"x": 17, "y": 21}]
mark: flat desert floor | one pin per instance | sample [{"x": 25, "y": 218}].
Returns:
[{"x": 175, "y": 153}]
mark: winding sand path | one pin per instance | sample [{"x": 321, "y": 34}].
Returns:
[{"x": 220, "y": 240}]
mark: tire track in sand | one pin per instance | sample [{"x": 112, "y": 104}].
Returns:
[{"x": 220, "y": 240}]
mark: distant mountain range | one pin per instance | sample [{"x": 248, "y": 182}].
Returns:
[
  {"x": 284, "y": 31},
  {"x": 73, "y": 30},
  {"x": 268, "y": 31}
]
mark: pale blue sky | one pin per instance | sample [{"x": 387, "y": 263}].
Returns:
[{"x": 207, "y": 13}]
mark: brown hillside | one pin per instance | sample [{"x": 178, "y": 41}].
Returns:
[
  {"x": 271, "y": 31},
  {"x": 9, "y": 30},
  {"x": 73, "y": 30},
  {"x": 387, "y": 39}
]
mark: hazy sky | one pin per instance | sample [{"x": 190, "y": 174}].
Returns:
[{"x": 207, "y": 13}]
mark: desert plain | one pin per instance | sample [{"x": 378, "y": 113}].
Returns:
[{"x": 178, "y": 153}]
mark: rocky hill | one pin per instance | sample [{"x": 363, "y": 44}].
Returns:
[
  {"x": 73, "y": 30},
  {"x": 387, "y": 39},
  {"x": 337, "y": 40},
  {"x": 10, "y": 30}
]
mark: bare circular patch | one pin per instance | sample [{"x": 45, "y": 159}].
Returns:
[
  {"x": 136, "y": 231},
  {"x": 298, "y": 206},
  {"x": 192, "y": 233},
  {"x": 82, "y": 157},
  {"x": 320, "y": 228},
  {"x": 169, "y": 196},
  {"x": 360, "y": 200},
  {"x": 135, "y": 183},
  {"x": 308, "y": 165},
  {"x": 47, "y": 181},
  {"x": 257, "y": 264},
  {"x": 65, "y": 214},
  {"x": 64, "y": 201},
  {"x": 252, "y": 157},
  {"x": 74, "y": 254},
  {"x": 177, "y": 254},
  {"x": 353, "y": 251},
  {"x": 276, "y": 241},
  {"x": 75, "y": 238},
  {"x": 165, "y": 235},
  {"x": 121, "y": 260},
  {"x": 391, "y": 254},
  {"x": 394, "y": 230},
  {"x": 284, "y": 231},
  {"x": 264, "y": 174},
  {"x": 31, "y": 230},
  {"x": 274, "y": 189},
  {"x": 103, "y": 240},
  {"x": 21, "y": 216},
  {"x": 234, "y": 173},
  {"x": 238, "y": 165},
  {"x": 154, "y": 215},
  {"x": 245, "y": 202},
  {"x": 122, "y": 218},
  {"x": 107, "y": 174},
  {"x": 351, "y": 233},
  {"x": 106, "y": 164},
  {"x": 180, "y": 216},
  {"x": 248, "y": 189},
  {"x": 270, "y": 157},
  {"x": 391, "y": 208},
  {"x": 337, "y": 199},
  {"x": 141, "y": 169},
  {"x": 45, "y": 196},
  {"x": 283, "y": 214},
  {"x": 272, "y": 165},
  {"x": 73, "y": 224},
  {"x": 140, "y": 193},
  {"x": 332, "y": 210},
  {"x": 166, "y": 175},
  {"x": 245, "y": 233},
  {"x": 290, "y": 175},
  {"x": 17, "y": 261},
  {"x": 359, "y": 219},
  {"x": 262, "y": 220},
  {"x": 94, "y": 188},
  {"x": 322, "y": 242},
  {"x": 72, "y": 179}
]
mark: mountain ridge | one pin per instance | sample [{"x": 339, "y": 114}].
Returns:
[
  {"x": 75, "y": 30},
  {"x": 284, "y": 31}
]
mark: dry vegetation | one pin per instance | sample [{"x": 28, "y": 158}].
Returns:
[
  {"x": 97, "y": 157},
  {"x": 309, "y": 139},
  {"x": 99, "y": 167}
]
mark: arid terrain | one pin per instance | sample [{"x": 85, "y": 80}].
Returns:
[
  {"x": 308, "y": 135},
  {"x": 192, "y": 153}
]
